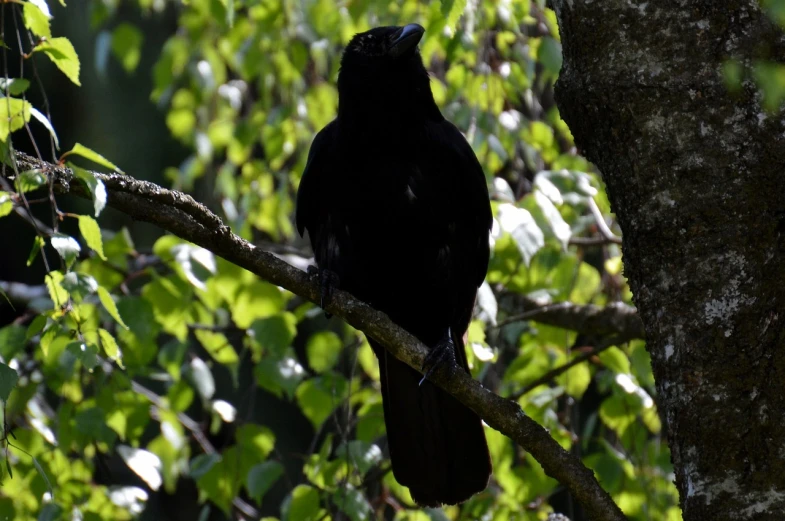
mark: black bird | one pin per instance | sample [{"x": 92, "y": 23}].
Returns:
[{"x": 396, "y": 207}]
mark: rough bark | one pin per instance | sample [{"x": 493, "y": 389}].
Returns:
[{"x": 695, "y": 177}]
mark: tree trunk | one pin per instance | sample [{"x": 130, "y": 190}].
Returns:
[{"x": 695, "y": 176}]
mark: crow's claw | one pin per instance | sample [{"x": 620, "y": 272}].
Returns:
[
  {"x": 328, "y": 281},
  {"x": 443, "y": 352}
]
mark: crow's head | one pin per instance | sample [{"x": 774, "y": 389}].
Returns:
[
  {"x": 382, "y": 73},
  {"x": 383, "y": 44}
]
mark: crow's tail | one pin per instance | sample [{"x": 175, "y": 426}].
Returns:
[{"x": 437, "y": 445}]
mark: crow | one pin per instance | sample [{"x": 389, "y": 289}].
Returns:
[{"x": 396, "y": 208}]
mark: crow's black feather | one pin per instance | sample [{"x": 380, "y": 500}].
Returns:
[{"x": 396, "y": 206}]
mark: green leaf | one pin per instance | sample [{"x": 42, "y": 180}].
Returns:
[
  {"x": 85, "y": 353},
  {"x": 92, "y": 234},
  {"x": 255, "y": 441},
  {"x": 35, "y": 327},
  {"x": 127, "y": 45},
  {"x": 110, "y": 346},
  {"x": 218, "y": 346},
  {"x": 30, "y": 180},
  {"x": 258, "y": 299},
  {"x": 279, "y": 375},
  {"x": 198, "y": 264},
  {"x": 6, "y": 204},
  {"x": 302, "y": 505},
  {"x": 318, "y": 397},
  {"x": 8, "y": 379},
  {"x": 109, "y": 305},
  {"x": 353, "y": 503},
  {"x": 619, "y": 411},
  {"x": 79, "y": 285},
  {"x": 452, "y": 10},
  {"x": 360, "y": 454},
  {"x": 180, "y": 396},
  {"x": 202, "y": 464},
  {"x": 96, "y": 186},
  {"x": 62, "y": 53},
  {"x": 524, "y": 230},
  {"x": 36, "y": 20},
  {"x": 575, "y": 380},
  {"x": 92, "y": 155},
  {"x": 323, "y": 350},
  {"x": 614, "y": 359},
  {"x": 56, "y": 291},
  {"x": 66, "y": 246},
  {"x": 38, "y": 243},
  {"x": 261, "y": 477},
  {"x": 274, "y": 334},
  {"x": 12, "y": 340},
  {"x": 14, "y": 86},
  {"x": 41, "y": 472},
  {"x": 549, "y": 54}
]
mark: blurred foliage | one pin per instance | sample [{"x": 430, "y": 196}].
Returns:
[
  {"x": 156, "y": 358},
  {"x": 766, "y": 74}
]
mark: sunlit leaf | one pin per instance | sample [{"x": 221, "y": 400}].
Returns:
[
  {"x": 37, "y": 20},
  {"x": 66, "y": 246},
  {"x": 6, "y": 204},
  {"x": 218, "y": 346},
  {"x": 38, "y": 243},
  {"x": 109, "y": 304},
  {"x": 13, "y": 86},
  {"x": 319, "y": 396},
  {"x": 96, "y": 186},
  {"x": 614, "y": 359},
  {"x": 201, "y": 377},
  {"x": 41, "y": 118},
  {"x": 274, "y": 334},
  {"x": 91, "y": 234},
  {"x": 30, "y": 180},
  {"x": 144, "y": 463},
  {"x": 520, "y": 224},
  {"x": 62, "y": 53},
  {"x": 95, "y": 157},
  {"x": 302, "y": 505},
  {"x": 110, "y": 346},
  {"x": 323, "y": 350}
]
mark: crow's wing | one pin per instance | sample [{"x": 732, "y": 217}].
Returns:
[{"x": 311, "y": 211}]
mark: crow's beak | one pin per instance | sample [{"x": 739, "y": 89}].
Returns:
[{"x": 406, "y": 39}]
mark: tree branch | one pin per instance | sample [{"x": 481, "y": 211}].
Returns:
[
  {"x": 181, "y": 215},
  {"x": 614, "y": 319}
]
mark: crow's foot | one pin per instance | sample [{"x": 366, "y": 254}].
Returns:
[
  {"x": 442, "y": 353},
  {"x": 328, "y": 281}
]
